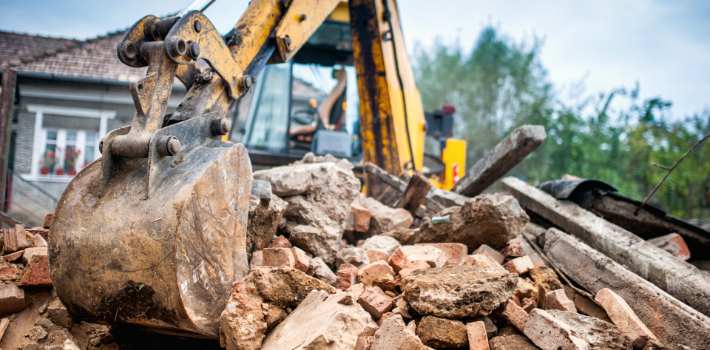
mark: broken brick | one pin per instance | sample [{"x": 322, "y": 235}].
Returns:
[
  {"x": 393, "y": 335},
  {"x": 485, "y": 249},
  {"x": 378, "y": 273},
  {"x": 406, "y": 255},
  {"x": 37, "y": 273},
  {"x": 477, "y": 336},
  {"x": 375, "y": 301},
  {"x": 622, "y": 315},
  {"x": 558, "y": 300},
  {"x": 674, "y": 244},
  {"x": 361, "y": 217},
  {"x": 515, "y": 314},
  {"x": 301, "y": 259},
  {"x": 278, "y": 257},
  {"x": 519, "y": 265},
  {"x": 454, "y": 252},
  {"x": 346, "y": 276},
  {"x": 483, "y": 262}
]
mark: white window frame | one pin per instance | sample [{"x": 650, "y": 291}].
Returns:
[{"x": 39, "y": 141}]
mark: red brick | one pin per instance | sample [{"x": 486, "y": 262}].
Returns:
[
  {"x": 278, "y": 257},
  {"x": 454, "y": 252},
  {"x": 375, "y": 301},
  {"x": 515, "y": 315},
  {"x": 36, "y": 273},
  {"x": 674, "y": 244},
  {"x": 257, "y": 259},
  {"x": 406, "y": 255},
  {"x": 346, "y": 276},
  {"x": 482, "y": 261},
  {"x": 376, "y": 255},
  {"x": 514, "y": 248},
  {"x": 414, "y": 266},
  {"x": 622, "y": 315},
  {"x": 9, "y": 272},
  {"x": 486, "y": 250},
  {"x": 302, "y": 260},
  {"x": 16, "y": 238},
  {"x": 558, "y": 300},
  {"x": 477, "y": 336},
  {"x": 519, "y": 265},
  {"x": 361, "y": 217},
  {"x": 378, "y": 273}
]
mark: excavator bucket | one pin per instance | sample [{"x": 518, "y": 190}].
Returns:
[{"x": 154, "y": 232}]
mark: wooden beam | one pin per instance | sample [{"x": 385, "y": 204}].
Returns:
[
  {"x": 7, "y": 100},
  {"x": 678, "y": 278},
  {"x": 415, "y": 193},
  {"x": 672, "y": 321},
  {"x": 504, "y": 156}
]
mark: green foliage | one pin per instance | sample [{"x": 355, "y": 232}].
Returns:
[{"x": 501, "y": 84}]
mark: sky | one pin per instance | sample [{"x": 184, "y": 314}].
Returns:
[{"x": 601, "y": 45}]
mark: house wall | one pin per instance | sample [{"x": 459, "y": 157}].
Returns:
[{"x": 111, "y": 99}]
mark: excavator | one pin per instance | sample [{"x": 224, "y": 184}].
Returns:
[{"x": 153, "y": 233}]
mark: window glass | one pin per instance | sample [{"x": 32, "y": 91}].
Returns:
[
  {"x": 66, "y": 151},
  {"x": 269, "y": 119}
]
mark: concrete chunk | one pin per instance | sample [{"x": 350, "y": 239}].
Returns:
[
  {"x": 491, "y": 219},
  {"x": 485, "y": 249},
  {"x": 321, "y": 321},
  {"x": 558, "y": 300},
  {"x": 457, "y": 291},
  {"x": 441, "y": 333}
]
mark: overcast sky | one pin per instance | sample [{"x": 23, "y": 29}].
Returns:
[{"x": 663, "y": 45}]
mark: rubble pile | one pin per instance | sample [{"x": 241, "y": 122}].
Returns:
[{"x": 333, "y": 269}]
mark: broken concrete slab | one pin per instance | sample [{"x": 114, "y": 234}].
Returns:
[
  {"x": 554, "y": 329},
  {"x": 622, "y": 315},
  {"x": 673, "y": 275},
  {"x": 321, "y": 321},
  {"x": 442, "y": 333},
  {"x": 352, "y": 255},
  {"x": 491, "y": 219},
  {"x": 503, "y": 157},
  {"x": 679, "y": 323},
  {"x": 457, "y": 291},
  {"x": 317, "y": 241},
  {"x": 392, "y": 335}
]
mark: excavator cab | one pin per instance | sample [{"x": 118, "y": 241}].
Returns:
[{"x": 309, "y": 104}]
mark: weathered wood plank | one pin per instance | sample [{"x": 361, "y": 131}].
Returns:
[
  {"x": 504, "y": 156},
  {"x": 677, "y": 277},
  {"x": 673, "y": 322},
  {"x": 415, "y": 194}
]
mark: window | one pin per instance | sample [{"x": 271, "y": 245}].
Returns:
[
  {"x": 65, "y": 140},
  {"x": 66, "y": 151}
]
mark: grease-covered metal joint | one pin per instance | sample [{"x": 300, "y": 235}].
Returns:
[
  {"x": 168, "y": 146},
  {"x": 246, "y": 82},
  {"x": 220, "y": 126}
]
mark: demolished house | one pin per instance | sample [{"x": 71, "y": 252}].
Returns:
[{"x": 330, "y": 268}]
